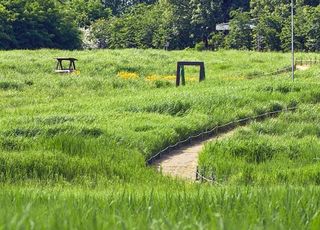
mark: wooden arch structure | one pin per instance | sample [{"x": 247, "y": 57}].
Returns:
[{"x": 180, "y": 78}]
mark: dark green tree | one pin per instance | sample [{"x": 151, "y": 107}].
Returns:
[
  {"x": 39, "y": 24},
  {"x": 266, "y": 34},
  {"x": 312, "y": 33},
  {"x": 231, "y": 5},
  {"x": 144, "y": 26},
  {"x": 307, "y": 30},
  {"x": 87, "y": 11},
  {"x": 205, "y": 15},
  {"x": 119, "y": 7},
  {"x": 7, "y": 39},
  {"x": 240, "y": 36}
]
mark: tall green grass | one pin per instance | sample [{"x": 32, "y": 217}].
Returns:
[
  {"x": 132, "y": 208},
  {"x": 282, "y": 150},
  {"x": 62, "y": 135}
]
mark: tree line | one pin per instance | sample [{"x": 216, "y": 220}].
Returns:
[{"x": 175, "y": 24}]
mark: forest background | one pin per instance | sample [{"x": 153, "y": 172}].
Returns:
[{"x": 262, "y": 25}]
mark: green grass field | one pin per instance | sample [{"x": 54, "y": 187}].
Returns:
[
  {"x": 283, "y": 150},
  {"x": 73, "y": 147}
]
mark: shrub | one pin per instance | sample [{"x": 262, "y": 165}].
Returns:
[
  {"x": 200, "y": 46},
  {"x": 162, "y": 84},
  {"x": 217, "y": 41},
  {"x": 5, "y": 85}
]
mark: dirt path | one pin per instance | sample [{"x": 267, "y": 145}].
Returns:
[
  {"x": 302, "y": 67},
  {"x": 182, "y": 163}
]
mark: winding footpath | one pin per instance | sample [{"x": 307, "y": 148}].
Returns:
[{"x": 182, "y": 163}]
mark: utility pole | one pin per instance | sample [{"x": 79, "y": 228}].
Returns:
[{"x": 292, "y": 38}]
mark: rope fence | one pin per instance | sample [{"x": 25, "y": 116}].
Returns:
[
  {"x": 278, "y": 71},
  {"x": 310, "y": 61},
  {"x": 211, "y": 133},
  {"x": 200, "y": 177},
  {"x": 298, "y": 61}
]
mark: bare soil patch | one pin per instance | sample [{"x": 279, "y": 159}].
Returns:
[{"x": 302, "y": 67}]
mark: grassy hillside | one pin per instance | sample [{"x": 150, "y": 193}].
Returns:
[{"x": 78, "y": 143}]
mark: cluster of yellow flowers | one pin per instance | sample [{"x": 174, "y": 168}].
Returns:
[
  {"x": 75, "y": 73},
  {"x": 157, "y": 78},
  {"x": 168, "y": 78},
  {"x": 128, "y": 75},
  {"x": 192, "y": 79},
  {"x": 133, "y": 76}
]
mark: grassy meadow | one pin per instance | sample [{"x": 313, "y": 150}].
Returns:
[{"x": 73, "y": 147}]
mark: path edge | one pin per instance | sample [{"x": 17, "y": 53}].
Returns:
[{"x": 217, "y": 130}]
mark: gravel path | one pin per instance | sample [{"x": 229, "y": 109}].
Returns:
[{"x": 182, "y": 163}]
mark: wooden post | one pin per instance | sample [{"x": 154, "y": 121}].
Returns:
[
  {"x": 202, "y": 72},
  {"x": 60, "y": 64},
  {"x": 212, "y": 177},
  {"x": 183, "y": 79},
  {"x": 178, "y": 75},
  {"x": 197, "y": 176}
]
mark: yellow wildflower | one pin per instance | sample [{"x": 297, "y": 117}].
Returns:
[
  {"x": 128, "y": 75},
  {"x": 168, "y": 78}
]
